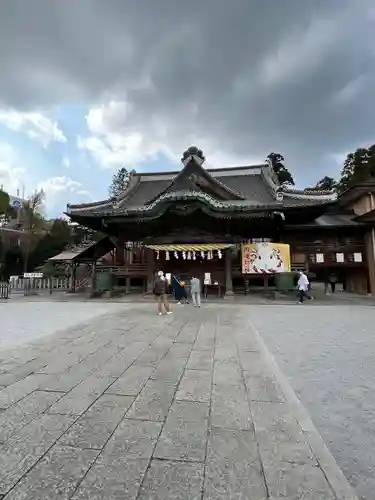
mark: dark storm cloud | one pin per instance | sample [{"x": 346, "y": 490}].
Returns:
[{"x": 251, "y": 76}]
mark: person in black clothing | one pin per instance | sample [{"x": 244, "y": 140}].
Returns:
[
  {"x": 332, "y": 282},
  {"x": 179, "y": 290},
  {"x": 160, "y": 286}
]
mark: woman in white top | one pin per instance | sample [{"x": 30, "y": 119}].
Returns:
[
  {"x": 195, "y": 288},
  {"x": 303, "y": 286}
]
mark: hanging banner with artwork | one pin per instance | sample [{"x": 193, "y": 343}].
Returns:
[{"x": 265, "y": 258}]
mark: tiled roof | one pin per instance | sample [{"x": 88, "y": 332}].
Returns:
[
  {"x": 333, "y": 220},
  {"x": 90, "y": 248},
  {"x": 146, "y": 191},
  {"x": 251, "y": 183},
  {"x": 303, "y": 202},
  {"x": 251, "y": 187}
]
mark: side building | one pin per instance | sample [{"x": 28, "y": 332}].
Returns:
[{"x": 193, "y": 222}]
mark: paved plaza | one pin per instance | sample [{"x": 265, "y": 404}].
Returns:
[
  {"x": 27, "y": 321},
  {"x": 129, "y": 405},
  {"x": 328, "y": 354}
]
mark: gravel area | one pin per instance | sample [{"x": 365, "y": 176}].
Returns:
[
  {"x": 24, "y": 322},
  {"x": 328, "y": 354}
]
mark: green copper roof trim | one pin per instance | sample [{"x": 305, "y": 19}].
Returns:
[{"x": 197, "y": 195}]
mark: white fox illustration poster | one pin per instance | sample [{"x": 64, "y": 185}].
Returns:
[{"x": 266, "y": 258}]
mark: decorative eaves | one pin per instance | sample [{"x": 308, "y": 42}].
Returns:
[
  {"x": 315, "y": 195},
  {"x": 236, "y": 205},
  {"x": 110, "y": 203}
]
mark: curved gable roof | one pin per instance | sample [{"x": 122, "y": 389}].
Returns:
[{"x": 254, "y": 185}]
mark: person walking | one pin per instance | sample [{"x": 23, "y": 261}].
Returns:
[
  {"x": 303, "y": 286},
  {"x": 332, "y": 282},
  {"x": 180, "y": 290},
  {"x": 195, "y": 288},
  {"x": 160, "y": 285}
]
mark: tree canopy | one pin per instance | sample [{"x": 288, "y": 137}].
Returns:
[
  {"x": 358, "y": 167},
  {"x": 120, "y": 181},
  {"x": 283, "y": 174},
  {"x": 6, "y": 210},
  {"x": 33, "y": 225},
  {"x": 325, "y": 184},
  {"x": 39, "y": 238}
]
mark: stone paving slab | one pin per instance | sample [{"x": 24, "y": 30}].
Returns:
[
  {"x": 330, "y": 364},
  {"x": 38, "y": 320},
  {"x": 137, "y": 406}
]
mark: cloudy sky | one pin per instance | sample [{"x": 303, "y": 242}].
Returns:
[{"x": 88, "y": 86}]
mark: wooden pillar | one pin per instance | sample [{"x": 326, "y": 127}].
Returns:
[
  {"x": 370, "y": 258},
  {"x": 93, "y": 277},
  {"x": 150, "y": 270},
  {"x": 228, "y": 274},
  {"x": 120, "y": 250},
  {"x": 74, "y": 277}
]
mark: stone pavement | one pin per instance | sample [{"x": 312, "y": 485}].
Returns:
[
  {"x": 25, "y": 321},
  {"x": 135, "y": 406},
  {"x": 328, "y": 354}
]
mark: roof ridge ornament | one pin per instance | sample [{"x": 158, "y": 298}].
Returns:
[{"x": 193, "y": 153}]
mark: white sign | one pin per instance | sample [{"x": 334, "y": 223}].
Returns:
[
  {"x": 340, "y": 257},
  {"x": 357, "y": 257},
  {"x": 207, "y": 278},
  {"x": 320, "y": 258},
  {"x": 33, "y": 275}
]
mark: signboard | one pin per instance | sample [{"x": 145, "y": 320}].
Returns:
[
  {"x": 320, "y": 258},
  {"x": 33, "y": 275},
  {"x": 265, "y": 258},
  {"x": 16, "y": 204},
  {"x": 357, "y": 257},
  {"x": 340, "y": 257},
  {"x": 207, "y": 279}
]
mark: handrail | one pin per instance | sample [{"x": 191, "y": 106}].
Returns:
[
  {"x": 125, "y": 266},
  {"x": 126, "y": 269}
]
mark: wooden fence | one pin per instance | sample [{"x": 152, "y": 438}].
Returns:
[{"x": 35, "y": 284}]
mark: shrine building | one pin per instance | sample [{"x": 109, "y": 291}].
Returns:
[{"x": 196, "y": 221}]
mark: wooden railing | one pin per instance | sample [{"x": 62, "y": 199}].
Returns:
[
  {"x": 310, "y": 247},
  {"x": 126, "y": 270}
]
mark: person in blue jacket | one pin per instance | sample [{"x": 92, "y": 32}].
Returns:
[{"x": 179, "y": 290}]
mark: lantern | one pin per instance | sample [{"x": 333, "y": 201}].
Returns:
[{"x": 167, "y": 257}]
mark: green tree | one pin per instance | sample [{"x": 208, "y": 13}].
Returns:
[
  {"x": 120, "y": 182},
  {"x": 6, "y": 210},
  {"x": 81, "y": 234},
  {"x": 2, "y": 258},
  {"x": 57, "y": 236},
  {"x": 277, "y": 163},
  {"x": 6, "y": 213},
  {"x": 325, "y": 184},
  {"x": 33, "y": 225},
  {"x": 12, "y": 261},
  {"x": 358, "y": 167}
]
